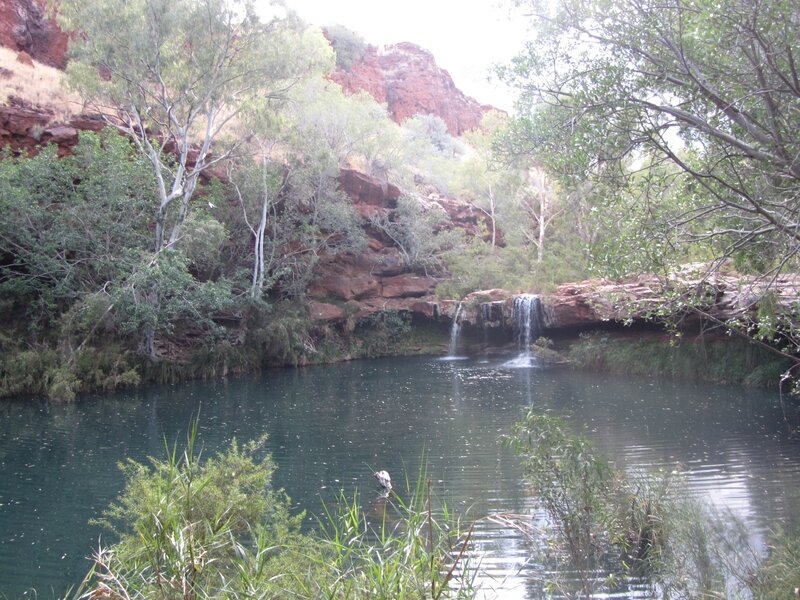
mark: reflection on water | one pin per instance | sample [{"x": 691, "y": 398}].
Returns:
[{"x": 332, "y": 427}]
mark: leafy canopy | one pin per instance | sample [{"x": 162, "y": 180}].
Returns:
[{"x": 705, "y": 91}]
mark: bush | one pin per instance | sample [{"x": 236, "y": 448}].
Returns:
[
  {"x": 347, "y": 44},
  {"x": 383, "y": 331},
  {"x": 26, "y": 372},
  {"x": 190, "y": 528},
  {"x": 644, "y": 526},
  {"x": 217, "y": 528}
]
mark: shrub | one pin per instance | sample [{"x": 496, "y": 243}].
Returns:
[
  {"x": 190, "y": 528},
  {"x": 348, "y": 45},
  {"x": 644, "y": 526},
  {"x": 216, "y": 528}
]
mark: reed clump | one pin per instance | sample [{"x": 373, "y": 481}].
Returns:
[
  {"x": 613, "y": 532},
  {"x": 193, "y": 528}
]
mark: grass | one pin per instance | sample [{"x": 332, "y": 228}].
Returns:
[{"x": 39, "y": 86}]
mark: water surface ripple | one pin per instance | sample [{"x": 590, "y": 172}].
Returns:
[{"x": 330, "y": 427}]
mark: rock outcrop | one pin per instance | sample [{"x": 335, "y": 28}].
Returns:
[
  {"x": 25, "y": 27},
  {"x": 404, "y": 76},
  {"x": 407, "y": 79},
  {"x": 599, "y": 302},
  {"x": 24, "y": 129},
  {"x": 355, "y": 285}
]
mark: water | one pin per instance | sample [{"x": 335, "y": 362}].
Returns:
[
  {"x": 455, "y": 330},
  {"x": 331, "y": 427},
  {"x": 527, "y": 327}
]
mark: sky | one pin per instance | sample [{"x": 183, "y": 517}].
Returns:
[{"x": 466, "y": 37}]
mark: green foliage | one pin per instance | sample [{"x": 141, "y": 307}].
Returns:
[
  {"x": 348, "y": 45},
  {"x": 192, "y": 528},
  {"x": 216, "y": 528},
  {"x": 572, "y": 483},
  {"x": 203, "y": 239},
  {"x": 412, "y": 553},
  {"x": 69, "y": 225},
  {"x": 161, "y": 295},
  {"x": 672, "y": 122},
  {"x": 644, "y": 526},
  {"x": 279, "y": 333},
  {"x": 382, "y": 332},
  {"x": 430, "y": 129},
  {"x": 27, "y": 371},
  {"x": 43, "y": 371},
  {"x": 779, "y": 576},
  {"x": 417, "y": 229},
  {"x": 722, "y": 360},
  {"x": 479, "y": 266},
  {"x": 351, "y": 131},
  {"x": 178, "y": 73}
]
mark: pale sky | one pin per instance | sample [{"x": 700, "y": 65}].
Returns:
[{"x": 466, "y": 37}]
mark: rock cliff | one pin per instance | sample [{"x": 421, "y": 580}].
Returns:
[
  {"x": 23, "y": 129},
  {"x": 24, "y": 27},
  {"x": 407, "y": 78},
  {"x": 355, "y": 285},
  {"x": 404, "y": 76}
]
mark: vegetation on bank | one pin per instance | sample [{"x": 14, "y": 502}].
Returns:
[
  {"x": 705, "y": 358},
  {"x": 187, "y": 249},
  {"x": 188, "y": 526},
  {"x": 612, "y": 531},
  {"x": 191, "y": 528}
]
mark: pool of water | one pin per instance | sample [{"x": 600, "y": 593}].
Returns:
[{"x": 332, "y": 426}]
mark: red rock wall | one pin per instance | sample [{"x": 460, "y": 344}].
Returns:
[
  {"x": 25, "y": 28},
  {"x": 407, "y": 78},
  {"x": 404, "y": 76},
  {"x": 24, "y": 129}
]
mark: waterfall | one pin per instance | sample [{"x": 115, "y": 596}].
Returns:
[
  {"x": 454, "y": 331},
  {"x": 528, "y": 326},
  {"x": 527, "y": 320}
]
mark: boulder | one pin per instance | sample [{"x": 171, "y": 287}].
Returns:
[{"x": 407, "y": 286}]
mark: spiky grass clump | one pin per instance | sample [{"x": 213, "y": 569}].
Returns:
[{"x": 415, "y": 551}]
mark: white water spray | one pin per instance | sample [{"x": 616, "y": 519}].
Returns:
[
  {"x": 455, "y": 330},
  {"x": 527, "y": 327}
]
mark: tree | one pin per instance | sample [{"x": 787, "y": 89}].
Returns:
[
  {"x": 291, "y": 185},
  {"x": 702, "y": 96},
  {"x": 176, "y": 74},
  {"x": 538, "y": 203},
  {"x": 486, "y": 182},
  {"x": 70, "y": 226},
  {"x": 416, "y": 228}
]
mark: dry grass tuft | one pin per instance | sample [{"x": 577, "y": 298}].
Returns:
[{"x": 39, "y": 86}]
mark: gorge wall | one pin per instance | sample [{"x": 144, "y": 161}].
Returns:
[
  {"x": 25, "y": 27},
  {"x": 352, "y": 285},
  {"x": 407, "y": 79}
]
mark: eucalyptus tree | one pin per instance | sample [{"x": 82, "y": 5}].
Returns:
[
  {"x": 518, "y": 196},
  {"x": 175, "y": 74},
  {"x": 711, "y": 88},
  {"x": 695, "y": 101},
  {"x": 288, "y": 188}
]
